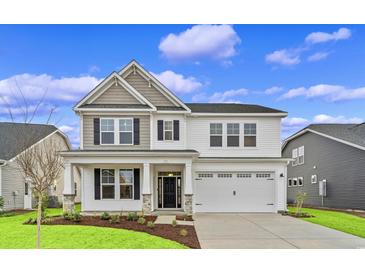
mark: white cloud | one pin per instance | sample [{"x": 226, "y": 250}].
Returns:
[
  {"x": 318, "y": 56},
  {"x": 33, "y": 87},
  {"x": 229, "y": 96},
  {"x": 273, "y": 90},
  {"x": 283, "y": 57},
  {"x": 66, "y": 128},
  {"x": 295, "y": 121},
  {"x": 322, "y": 37},
  {"x": 331, "y": 93},
  {"x": 177, "y": 82},
  {"x": 324, "y": 118},
  {"x": 209, "y": 41}
]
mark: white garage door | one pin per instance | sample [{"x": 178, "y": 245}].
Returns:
[{"x": 234, "y": 192}]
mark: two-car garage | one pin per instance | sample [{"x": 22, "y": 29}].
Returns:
[{"x": 238, "y": 191}]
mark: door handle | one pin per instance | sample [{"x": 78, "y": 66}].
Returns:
[
  {"x": 269, "y": 204},
  {"x": 234, "y": 193},
  {"x": 198, "y": 204}
]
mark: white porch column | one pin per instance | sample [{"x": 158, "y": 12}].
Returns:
[
  {"x": 146, "y": 189},
  {"x": 68, "y": 189},
  {"x": 188, "y": 190}
]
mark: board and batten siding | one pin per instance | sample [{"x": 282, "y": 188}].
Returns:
[
  {"x": 88, "y": 132},
  {"x": 116, "y": 95},
  {"x": 267, "y": 140},
  {"x": 150, "y": 92},
  {"x": 341, "y": 165}
]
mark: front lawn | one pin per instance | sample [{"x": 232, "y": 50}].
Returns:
[
  {"x": 13, "y": 234},
  {"x": 337, "y": 220}
]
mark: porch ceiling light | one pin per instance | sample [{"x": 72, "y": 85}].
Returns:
[{"x": 171, "y": 174}]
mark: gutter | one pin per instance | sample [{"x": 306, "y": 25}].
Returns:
[{"x": 122, "y": 153}]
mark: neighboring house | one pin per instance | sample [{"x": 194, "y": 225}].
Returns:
[
  {"x": 331, "y": 152},
  {"x": 15, "y": 190},
  {"x": 142, "y": 148}
]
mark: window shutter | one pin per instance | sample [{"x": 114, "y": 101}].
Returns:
[
  {"x": 96, "y": 131},
  {"x": 97, "y": 183},
  {"x": 136, "y": 131},
  {"x": 176, "y": 130},
  {"x": 160, "y": 130},
  {"x": 136, "y": 184}
]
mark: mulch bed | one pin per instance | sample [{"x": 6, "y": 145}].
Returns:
[
  {"x": 300, "y": 215},
  {"x": 359, "y": 213},
  {"x": 184, "y": 218},
  {"x": 161, "y": 230}
]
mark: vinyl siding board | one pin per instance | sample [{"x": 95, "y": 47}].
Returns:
[
  {"x": 116, "y": 95},
  {"x": 341, "y": 165},
  {"x": 150, "y": 92},
  {"x": 144, "y": 134}
]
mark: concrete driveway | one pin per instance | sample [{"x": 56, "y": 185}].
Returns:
[{"x": 267, "y": 230}]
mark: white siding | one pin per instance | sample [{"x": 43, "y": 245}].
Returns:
[
  {"x": 267, "y": 140},
  {"x": 181, "y": 144}
]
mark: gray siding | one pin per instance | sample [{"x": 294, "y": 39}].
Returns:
[
  {"x": 341, "y": 165},
  {"x": 88, "y": 132},
  {"x": 116, "y": 95},
  {"x": 151, "y": 93},
  {"x": 12, "y": 180}
]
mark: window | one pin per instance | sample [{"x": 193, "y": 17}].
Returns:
[
  {"x": 107, "y": 131},
  {"x": 300, "y": 181},
  {"x": 168, "y": 130},
  {"x": 290, "y": 182},
  {"x": 263, "y": 175},
  {"x": 205, "y": 175},
  {"x": 75, "y": 189},
  {"x": 107, "y": 183},
  {"x": 216, "y": 131},
  {"x": 244, "y": 175},
  {"x": 250, "y": 135},
  {"x": 224, "y": 175},
  {"x": 233, "y": 135},
  {"x": 314, "y": 179},
  {"x": 295, "y": 180},
  {"x": 301, "y": 155},
  {"x": 126, "y": 183},
  {"x": 26, "y": 188},
  {"x": 295, "y": 156},
  {"x": 126, "y": 131}
]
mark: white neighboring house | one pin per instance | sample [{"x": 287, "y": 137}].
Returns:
[
  {"x": 142, "y": 148},
  {"x": 14, "y": 188}
]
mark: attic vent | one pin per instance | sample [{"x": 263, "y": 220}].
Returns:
[
  {"x": 116, "y": 81},
  {"x": 149, "y": 83}
]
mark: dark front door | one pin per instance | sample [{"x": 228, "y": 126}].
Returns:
[{"x": 169, "y": 192}]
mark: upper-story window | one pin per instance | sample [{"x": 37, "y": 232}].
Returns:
[
  {"x": 168, "y": 130},
  {"x": 126, "y": 131},
  {"x": 250, "y": 135},
  {"x": 216, "y": 132},
  {"x": 107, "y": 131},
  {"x": 233, "y": 134},
  {"x": 298, "y": 156}
]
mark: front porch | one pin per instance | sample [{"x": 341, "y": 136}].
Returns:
[{"x": 149, "y": 184}]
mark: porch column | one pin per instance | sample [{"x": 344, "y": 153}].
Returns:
[
  {"x": 146, "y": 189},
  {"x": 188, "y": 190},
  {"x": 68, "y": 189}
]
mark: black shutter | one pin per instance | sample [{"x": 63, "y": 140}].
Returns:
[
  {"x": 136, "y": 131},
  {"x": 96, "y": 131},
  {"x": 97, "y": 183},
  {"x": 136, "y": 184},
  {"x": 160, "y": 130},
  {"x": 176, "y": 130}
]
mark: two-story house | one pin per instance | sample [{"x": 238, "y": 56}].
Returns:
[{"x": 142, "y": 148}]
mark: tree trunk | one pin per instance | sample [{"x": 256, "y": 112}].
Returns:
[{"x": 39, "y": 220}]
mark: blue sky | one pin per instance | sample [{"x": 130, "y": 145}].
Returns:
[{"x": 315, "y": 72}]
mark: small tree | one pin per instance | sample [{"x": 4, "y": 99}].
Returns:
[
  {"x": 1, "y": 204},
  {"x": 300, "y": 198}
]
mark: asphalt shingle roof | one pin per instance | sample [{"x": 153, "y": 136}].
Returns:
[
  {"x": 230, "y": 108},
  {"x": 14, "y": 136}
]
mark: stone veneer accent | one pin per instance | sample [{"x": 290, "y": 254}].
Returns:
[
  {"x": 69, "y": 203},
  {"x": 147, "y": 204},
  {"x": 188, "y": 204}
]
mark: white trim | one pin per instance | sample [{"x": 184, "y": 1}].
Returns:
[
  {"x": 1, "y": 186},
  {"x": 151, "y": 131},
  {"x": 286, "y": 141},
  {"x": 114, "y": 111},
  {"x": 172, "y": 130},
  {"x": 233, "y": 135},
  {"x": 280, "y": 114},
  {"x": 81, "y": 131},
  {"x": 116, "y": 131},
  {"x": 101, "y": 185},
  {"x": 108, "y": 131},
  {"x": 242, "y": 160},
  {"x": 122, "y": 153},
  {"x": 221, "y": 135},
  {"x": 296, "y": 180},
  {"x": 119, "y": 131},
  {"x": 314, "y": 176}
]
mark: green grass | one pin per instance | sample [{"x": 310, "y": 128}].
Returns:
[
  {"x": 13, "y": 234},
  {"x": 337, "y": 220}
]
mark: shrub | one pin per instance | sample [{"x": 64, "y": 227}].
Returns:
[
  {"x": 300, "y": 198},
  {"x": 67, "y": 216},
  {"x": 105, "y": 216},
  {"x": 1, "y": 203},
  {"x": 141, "y": 220},
  {"x": 30, "y": 221},
  {"x": 132, "y": 216},
  {"x": 183, "y": 232},
  {"x": 150, "y": 224},
  {"x": 174, "y": 223},
  {"x": 76, "y": 217},
  {"x": 115, "y": 219}
]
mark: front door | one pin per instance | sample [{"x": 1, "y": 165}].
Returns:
[
  {"x": 169, "y": 192},
  {"x": 27, "y": 196}
]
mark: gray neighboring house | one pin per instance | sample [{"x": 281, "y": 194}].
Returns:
[
  {"x": 331, "y": 152},
  {"x": 15, "y": 190}
]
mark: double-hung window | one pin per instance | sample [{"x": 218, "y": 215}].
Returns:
[
  {"x": 294, "y": 155},
  {"x": 216, "y": 131},
  {"x": 126, "y": 131},
  {"x": 107, "y": 183},
  {"x": 126, "y": 183},
  {"x": 301, "y": 155},
  {"x": 168, "y": 130},
  {"x": 107, "y": 131},
  {"x": 250, "y": 135},
  {"x": 233, "y": 135}
]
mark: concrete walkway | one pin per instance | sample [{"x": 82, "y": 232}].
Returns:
[{"x": 267, "y": 230}]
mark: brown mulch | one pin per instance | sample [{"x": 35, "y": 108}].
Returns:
[
  {"x": 184, "y": 218},
  {"x": 301, "y": 215},
  {"x": 161, "y": 230}
]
